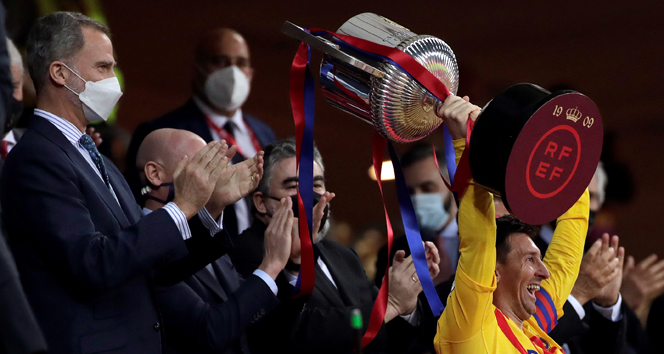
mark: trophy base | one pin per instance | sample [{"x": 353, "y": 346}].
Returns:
[{"x": 538, "y": 150}]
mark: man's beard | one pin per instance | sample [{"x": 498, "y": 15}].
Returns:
[{"x": 326, "y": 227}]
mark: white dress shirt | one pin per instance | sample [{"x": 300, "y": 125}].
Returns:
[
  {"x": 245, "y": 144},
  {"x": 611, "y": 313}
]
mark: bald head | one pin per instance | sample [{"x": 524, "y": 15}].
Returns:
[{"x": 166, "y": 147}]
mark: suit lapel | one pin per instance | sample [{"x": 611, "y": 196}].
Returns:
[
  {"x": 226, "y": 273},
  {"x": 323, "y": 283},
  {"x": 205, "y": 277},
  {"x": 340, "y": 272},
  {"x": 50, "y": 132},
  {"x": 263, "y": 139},
  {"x": 125, "y": 198},
  {"x": 198, "y": 122}
]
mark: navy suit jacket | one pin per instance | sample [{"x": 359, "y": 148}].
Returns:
[
  {"x": 86, "y": 260},
  {"x": 206, "y": 313}
]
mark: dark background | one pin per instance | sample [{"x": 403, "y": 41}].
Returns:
[{"x": 608, "y": 50}]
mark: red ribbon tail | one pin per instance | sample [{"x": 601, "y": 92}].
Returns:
[
  {"x": 297, "y": 79},
  {"x": 380, "y": 306}
]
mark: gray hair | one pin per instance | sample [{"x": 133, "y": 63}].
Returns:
[
  {"x": 602, "y": 181},
  {"x": 277, "y": 152},
  {"x": 57, "y": 37},
  {"x": 14, "y": 55}
]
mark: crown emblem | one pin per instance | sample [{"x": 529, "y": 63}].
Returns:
[{"x": 573, "y": 114}]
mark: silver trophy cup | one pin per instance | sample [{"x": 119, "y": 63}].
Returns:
[{"x": 375, "y": 90}]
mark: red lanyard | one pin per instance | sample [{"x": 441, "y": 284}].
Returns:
[
  {"x": 223, "y": 134},
  {"x": 505, "y": 327}
]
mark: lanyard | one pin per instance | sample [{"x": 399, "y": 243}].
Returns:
[
  {"x": 223, "y": 134},
  {"x": 505, "y": 327}
]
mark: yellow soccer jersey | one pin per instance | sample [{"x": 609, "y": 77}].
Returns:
[{"x": 470, "y": 322}]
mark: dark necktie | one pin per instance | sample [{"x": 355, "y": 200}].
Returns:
[
  {"x": 228, "y": 127},
  {"x": 89, "y": 145}
]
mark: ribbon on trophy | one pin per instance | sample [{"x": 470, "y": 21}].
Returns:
[
  {"x": 424, "y": 77},
  {"x": 380, "y": 306},
  {"x": 302, "y": 92},
  {"x": 450, "y": 160},
  {"x": 302, "y": 103}
]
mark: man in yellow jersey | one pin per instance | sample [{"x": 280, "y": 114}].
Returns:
[{"x": 501, "y": 280}]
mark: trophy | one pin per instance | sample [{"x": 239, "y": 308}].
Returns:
[
  {"x": 537, "y": 150},
  {"x": 376, "y": 91}
]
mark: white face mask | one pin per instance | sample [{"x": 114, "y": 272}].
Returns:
[
  {"x": 99, "y": 97},
  {"x": 227, "y": 88},
  {"x": 430, "y": 211}
]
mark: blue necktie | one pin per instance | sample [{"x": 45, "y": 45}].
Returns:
[{"x": 88, "y": 144}]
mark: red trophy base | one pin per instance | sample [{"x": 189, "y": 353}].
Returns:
[{"x": 538, "y": 150}]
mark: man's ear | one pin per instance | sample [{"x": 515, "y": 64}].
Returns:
[
  {"x": 259, "y": 203},
  {"x": 497, "y": 272},
  {"x": 58, "y": 73},
  {"x": 153, "y": 173}
]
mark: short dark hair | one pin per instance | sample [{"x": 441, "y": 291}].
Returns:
[
  {"x": 420, "y": 152},
  {"x": 275, "y": 153},
  {"x": 506, "y": 226},
  {"x": 56, "y": 36}
]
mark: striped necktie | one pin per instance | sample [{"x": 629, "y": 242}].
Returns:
[{"x": 89, "y": 145}]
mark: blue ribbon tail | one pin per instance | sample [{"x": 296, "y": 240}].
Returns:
[{"x": 414, "y": 237}]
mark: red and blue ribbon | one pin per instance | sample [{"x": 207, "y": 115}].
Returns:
[
  {"x": 302, "y": 103},
  {"x": 302, "y": 92}
]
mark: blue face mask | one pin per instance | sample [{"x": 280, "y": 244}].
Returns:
[{"x": 430, "y": 211}]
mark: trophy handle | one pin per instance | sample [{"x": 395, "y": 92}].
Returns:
[{"x": 328, "y": 48}]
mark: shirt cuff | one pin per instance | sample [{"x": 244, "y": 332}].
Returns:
[
  {"x": 209, "y": 222},
  {"x": 577, "y": 306},
  {"x": 179, "y": 218},
  {"x": 612, "y": 313},
  {"x": 268, "y": 280},
  {"x": 413, "y": 319}
]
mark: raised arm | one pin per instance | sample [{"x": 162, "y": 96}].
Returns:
[
  {"x": 471, "y": 298},
  {"x": 563, "y": 257}
]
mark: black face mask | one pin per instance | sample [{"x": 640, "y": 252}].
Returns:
[
  {"x": 145, "y": 192},
  {"x": 296, "y": 210}
]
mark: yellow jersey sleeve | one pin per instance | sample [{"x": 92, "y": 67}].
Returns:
[
  {"x": 470, "y": 301},
  {"x": 563, "y": 260}
]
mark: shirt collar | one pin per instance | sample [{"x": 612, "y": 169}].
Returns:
[
  {"x": 146, "y": 211},
  {"x": 452, "y": 230},
  {"x": 67, "y": 128},
  {"x": 220, "y": 120}
]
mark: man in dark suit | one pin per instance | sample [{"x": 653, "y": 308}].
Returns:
[
  {"x": 210, "y": 310},
  {"x": 594, "y": 319},
  {"x": 320, "y": 322},
  {"x": 86, "y": 255},
  {"x": 221, "y": 84}
]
